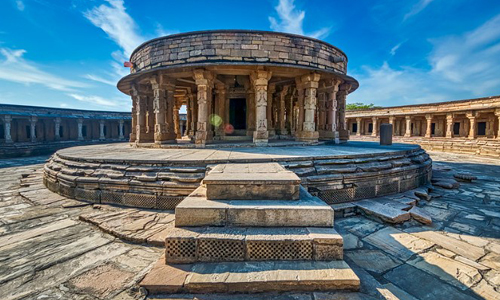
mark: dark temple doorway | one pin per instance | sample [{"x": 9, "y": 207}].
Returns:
[{"x": 238, "y": 113}]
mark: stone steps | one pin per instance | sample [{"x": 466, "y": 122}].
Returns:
[
  {"x": 211, "y": 244},
  {"x": 250, "y": 277},
  {"x": 197, "y": 210}
]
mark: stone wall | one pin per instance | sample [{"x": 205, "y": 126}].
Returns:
[{"x": 238, "y": 46}]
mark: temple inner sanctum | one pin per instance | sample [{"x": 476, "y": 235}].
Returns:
[{"x": 238, "y": 85}]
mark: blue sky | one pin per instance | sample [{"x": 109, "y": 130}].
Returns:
[{"x": 70, "y": 53}]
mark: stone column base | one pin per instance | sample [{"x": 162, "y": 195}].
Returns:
[
  {"x": 343, "y": 134},
  {"x": 307, "y": 136}
]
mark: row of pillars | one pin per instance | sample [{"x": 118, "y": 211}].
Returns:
[
  {"x": 57, "y": 124},
  {"x": 450, "y": 120},
  {"x": 166, "y": 121}
]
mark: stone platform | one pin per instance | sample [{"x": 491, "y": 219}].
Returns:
[{"x": 161, "y": 178}]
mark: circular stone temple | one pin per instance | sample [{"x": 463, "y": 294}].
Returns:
[
  {"x": 238, "y": 85},
  {"x": 284, "y": 91}
]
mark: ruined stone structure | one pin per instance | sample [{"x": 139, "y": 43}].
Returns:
[
  {"x": 471, "y": 126},
  {"x": 28, "y": 130},
  {"x": 238, "y": 85}
]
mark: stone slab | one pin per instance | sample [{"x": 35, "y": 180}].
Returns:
[
  {"x": 199, "y": 211},
  {"x": 260, "y": 181},
  {"x": 223, "y": 244},
  {"x": 384, "y": 212},
  {"x": 251, "y": 277}
]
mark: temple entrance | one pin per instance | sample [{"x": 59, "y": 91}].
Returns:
[{"x": 238, "y": 113}]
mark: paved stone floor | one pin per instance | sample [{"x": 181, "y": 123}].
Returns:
[{"x": 48, "y": 252}]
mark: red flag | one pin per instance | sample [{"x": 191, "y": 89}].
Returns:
[{"x": 128, "y": 64}]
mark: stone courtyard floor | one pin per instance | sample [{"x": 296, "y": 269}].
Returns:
[{"x": 52, "y": 247}]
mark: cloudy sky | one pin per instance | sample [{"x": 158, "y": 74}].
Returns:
[{"x": 70, "y": 53}]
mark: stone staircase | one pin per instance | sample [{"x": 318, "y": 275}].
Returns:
[{"x": 251, "y": 228}]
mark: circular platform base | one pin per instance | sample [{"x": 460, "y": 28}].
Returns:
[{"x": 161, "y": 178}]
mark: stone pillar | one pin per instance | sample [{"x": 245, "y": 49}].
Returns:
[
  {"x": 161, "y": 134},
  {"x": 7, "y": 129},
  {"x": 204, "y": 82},
  {"x": 33, "y": 121},
  {"x": 332, "y": 107},
  {"x": 391, "y": 121},
  {"x": 80, "y": 129},
  {"x": 57, "y": 129},
  {"x": 194, "y": 115},
  {"x": 472, "y": 125},
  {"x": 428, "y": 129},
  {"x": 449, "y": 126},
  {"x": 101, "y": 130},
  {"x": 300, "y": 102},
  {"x": 281, "y": 113},
  {"x": 310, "y": 84},
  {"x": 271, "y": 89},
  {"x": 177, "y": 122},
  {"x": 375, "y": 126},
  {"x": 140, "y": 108},
  {"x": 188, "y": 117},
  {"x": 321, "y": 114},
  {"x": 220, "y": 94},
  {"x": 341, "y": 103},
  {"x": 497, "y": 113},
  {"x": 358, "y": 126},
  {"x": 133, "y": 125},
  {"x": 120, "y": 130},
  {"x": 260, "y": 80},
  {"x": 408, "y": 126}
]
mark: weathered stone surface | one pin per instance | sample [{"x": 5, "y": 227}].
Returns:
[
  {"x": 373, "y": 260},
  {"x": 398, "y": 243},
  {"x": 384, "y": 212},
  {"x": 420, "y": 215}
]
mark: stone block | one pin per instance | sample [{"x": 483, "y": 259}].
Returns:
[{"x": 385, "y": 134}]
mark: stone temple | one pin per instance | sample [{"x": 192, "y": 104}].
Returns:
[
  {"x": 262, "y": 171},
  {"x": 238, "y": 85}
]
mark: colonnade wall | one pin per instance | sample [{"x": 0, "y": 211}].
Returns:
[
  {"x": 28, "y": 130},
  {"x": 470, "y": 119}
]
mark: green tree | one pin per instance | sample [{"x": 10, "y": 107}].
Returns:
[{"x": 360, "y": 106}]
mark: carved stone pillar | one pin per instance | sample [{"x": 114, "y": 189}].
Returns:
[
  {"x": 358, "y": 126},
  {"x": 57, "y": 129},
  {"x": 219, "y": 120},
  {"x": 282, "y": 111},
  {"x": 341, "y": 103},
  {"x": 271, "y": 89},
  {"x": 408, "y": 126},
  {"x": 497, "y": 113},
  {"x": 7, "y": 129},
  {"x": 140, "y": 109},
  {"x": 391, "y": 121},
  {"x": 310, "y": 84},
  {"x": 80, "y": 129},
  {"x": 260, "y": 79},
  {"x": 194, "y": 115},
  {"x": 321, "y": 126},
  {"x": 163, "y": 94},
  {"x": 188, "y": 117},
  {"x": 204, "y": 82},
  {"x": 177, "y": 121},
  {"x": 300, "y": 102},
  {"x": 449, "y": 125},
  {"x": 374, "y": 126},
  {"x": 428, "y": 129},
  {"x": 121, "y": 136},
  {"x": 331, "y": 127},
  {"x": 101, "y": 130},
  {"x": 33, "y": 121},
  {"x": 472, "y": 125},
  {"x": 133, "y": 125}
]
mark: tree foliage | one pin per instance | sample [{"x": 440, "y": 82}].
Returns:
[{"x": 360, "y": 106}]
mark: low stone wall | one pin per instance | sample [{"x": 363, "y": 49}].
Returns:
[
  {"x": 163, "y": 184},
  {"x": 41, "y": 148},
  {"x": 483, "y": 147}
]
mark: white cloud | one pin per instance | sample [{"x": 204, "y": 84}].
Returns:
[
  {"x": 95, "y": 100},
  {"x": 395, "y": 48},
  {"x": 417, "y": 8},
  {"x": 20, "y": 5},
  {"x": 291, "y": 20},
  {"x": 14, "y": 68},
  {"x": 460, "y": 67},
  {"x": 117, "y": 23},
  {"x": 122, "y": 29}
]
